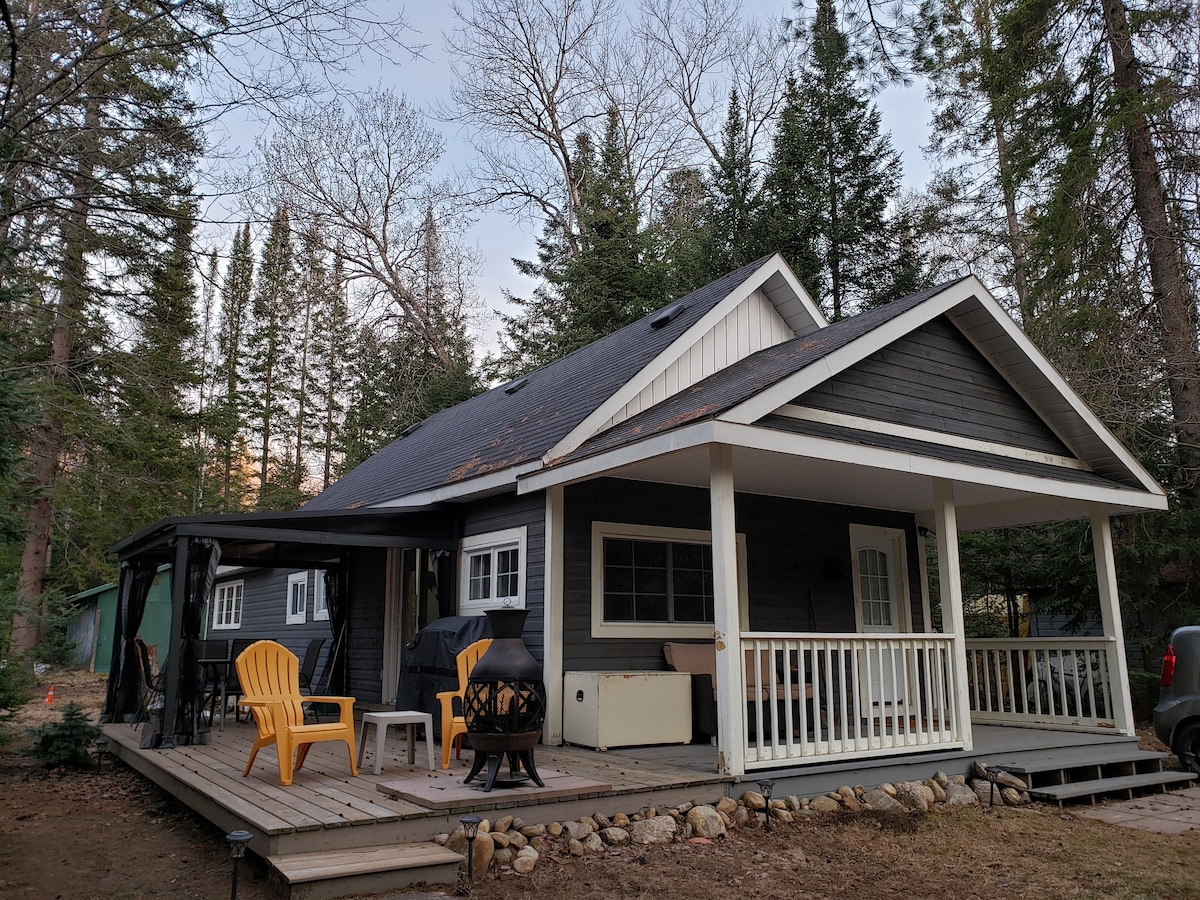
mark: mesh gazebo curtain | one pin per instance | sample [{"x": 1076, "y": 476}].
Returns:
[{"x": 125, "y": 680}]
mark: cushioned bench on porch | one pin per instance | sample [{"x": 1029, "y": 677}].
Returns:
[{"x": 700, "y": 661}]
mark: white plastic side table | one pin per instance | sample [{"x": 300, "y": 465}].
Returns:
[{"x": 410, "y": 718}]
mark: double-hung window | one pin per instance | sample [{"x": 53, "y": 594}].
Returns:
[
  {"x": 320, "y": 604},
  {"x": 227, "y": 606},
  {"x": 649, "y": 581},
  {"x": 493, "y": 574},
  {"x": 297, "y": 598}
]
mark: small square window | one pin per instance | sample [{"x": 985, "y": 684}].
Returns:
[{"x": 297, "y": 599}]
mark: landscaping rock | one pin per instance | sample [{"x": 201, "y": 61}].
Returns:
[
  {"x": 503, "y": 823},
  {"x": 592, "y": 843},
  {"x": 589, "y": 822},
  {"x": 683, "y": 808},
  {"x": 517, "y": 823},
  {"x": 533, "y": 830},
  {"x": 554, "y": 829},
  {"x": 784, "y": 815},
  {"x": 984, "y": 791},
  {"x": 500, "y": 839},
  {"x": 614, "y": 837},
  {"x": 754, "y": 800},
  {"x": 741, "y": 815},
  {"x": 1013, "y": 797},
  {"x": 888, "y": 789},
  {"x": 726, "y": 805},
  {"x": 941, "y": 778},
  {"x": 523, "y": 865},
  {"x": 575, "y": 848},
  {"x": 960, "y": 795},
  {"x": 620, "y": 820},
  {"x": 516, "y": 840},
  {"x": 937, "y": 791},
  {"x": 602, "y": 821},
  {"x": 852, "y": 803},
  {"x": 824, "y": 805},
  {"x": 481, "y": 854},
  {"x": 912, "y": 795},
  {"x": 577, "y": 830},
  {"x": 657, "y": 830},
  {"x": 502, "y": 857},
  {"x": 706, "y": 822},
  {"x": 441, "y": 839},
  {"x": 529, "y": 853},
  {"x": 883, "y": 802}
]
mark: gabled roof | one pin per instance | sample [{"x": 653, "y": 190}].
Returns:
[{"x": 509, "y": 428}]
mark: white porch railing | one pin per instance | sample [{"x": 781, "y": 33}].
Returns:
[
  {"x": 1065, "y": 683},
  {"x": 840, "y": 696}
]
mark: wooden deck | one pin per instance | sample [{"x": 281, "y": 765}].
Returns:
[{"x": 326, "y": 809}]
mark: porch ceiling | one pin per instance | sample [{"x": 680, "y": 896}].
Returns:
[{"x": 757, "y": 471}]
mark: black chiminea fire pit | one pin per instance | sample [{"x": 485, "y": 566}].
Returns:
[{"x": 505, "y": 702}]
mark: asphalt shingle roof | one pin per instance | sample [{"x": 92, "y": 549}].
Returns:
[{"x": 496, "y": 430}]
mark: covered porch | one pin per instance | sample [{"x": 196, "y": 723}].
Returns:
[{"x": 882, "y": 688}]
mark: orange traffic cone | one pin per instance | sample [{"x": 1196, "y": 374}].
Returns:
[{"x": 50, "y": 695}]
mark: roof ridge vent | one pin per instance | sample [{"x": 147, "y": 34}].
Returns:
[
  {"x": 513, "y": 386},
  {"x": 668, "y": 315},
  {"x": 411, "y": 428}
]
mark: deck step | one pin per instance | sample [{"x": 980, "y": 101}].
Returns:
[
  {"x": 1081, "y": 758},
  {"x": 337, "y": 873},
  {"x": 1076, "y": 789}
]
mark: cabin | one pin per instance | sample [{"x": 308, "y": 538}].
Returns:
[{"x": 736, "y": 482}]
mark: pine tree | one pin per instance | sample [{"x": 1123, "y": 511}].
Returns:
[
  {"x": 271, "y": 347},
  {"x": 615, "y": 277},
  {"x": 734, "y": 239},
  {"x": 227, "y": 417},
  {"x": 832, "y": 182},
  {"x": 331, "y": 348}
]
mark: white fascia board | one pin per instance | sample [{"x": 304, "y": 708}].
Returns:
[
  {"x": 768, "y": 439},
  {"x": 677, "y": 439},
  {"x": 1058, "y": 383},
  {"x": 635, "y": 385},
  {"x": 461, "y": 490},
  {"x": 802, "y": 295},
  {"x": 785, "y": 391}
]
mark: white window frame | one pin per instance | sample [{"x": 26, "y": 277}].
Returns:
[
  {"x": 492, "y": 543},
  {"x": 667, "y": 630},
  {"x": 894, "y": 541},
  {"x": 228, "y": 597},
  {"x": 296, "y": 579},
  {"x": 320, "y": 604}
]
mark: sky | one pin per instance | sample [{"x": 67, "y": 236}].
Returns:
[{"x": 496, "y": 236}]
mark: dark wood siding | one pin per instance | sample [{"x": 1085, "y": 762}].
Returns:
[
  {"x": 797, "y": 559},
  {"x": 264, "y": 611},
  {"x": 516, "y": 512},
  {"x": 367, "y": 570},
  {"x": 935, "y": 379}
]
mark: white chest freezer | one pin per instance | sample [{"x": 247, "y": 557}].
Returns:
[{"x": 627, "y": 709}]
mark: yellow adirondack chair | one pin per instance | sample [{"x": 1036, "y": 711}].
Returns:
[
  {"x": 454, "y": 726},
  {"x": 269, "y": 675}
]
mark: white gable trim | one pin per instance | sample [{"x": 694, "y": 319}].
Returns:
[
  {"x": 1047, "y": 370},
  {"x": 611, "y": 407},
  {"x": 878, "y": 426},
  {"x": 752, "y": 325},
  {"x": 949, "y": 301},
  {"x": 783, "y": 392}
]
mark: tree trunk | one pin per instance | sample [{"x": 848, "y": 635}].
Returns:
[
  {"x": 49, "y": 438},
  {"x": 1172, "y": 295}
]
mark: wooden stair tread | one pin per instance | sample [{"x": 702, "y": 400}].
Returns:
[
  {"x": 298, "y": 868},
  {"x": 1104, "y": 785},
  {"x": 1097, "y": 756}
]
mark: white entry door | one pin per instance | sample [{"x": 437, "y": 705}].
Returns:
[{"x": 881, "y": 599}]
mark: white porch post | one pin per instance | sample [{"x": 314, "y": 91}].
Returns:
[
  {"x": 731, "y": 710},
  {"x": 950, "y": 584},
  {"x": 552, "y": 621},
  {"x": 1110, "y": 617}
]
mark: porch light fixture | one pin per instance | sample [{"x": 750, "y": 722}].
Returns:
[
  {"x": 765, "y": 787},
  {"x": 101, "y": 748},
  {"x": 470, "y": 826},
  {"x": 237, "y": 849}
]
